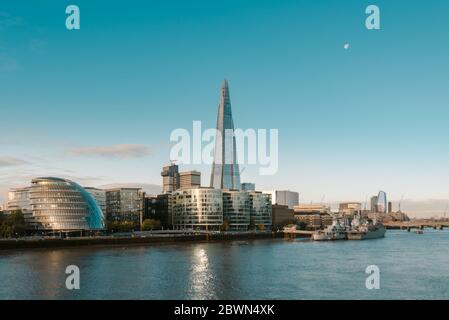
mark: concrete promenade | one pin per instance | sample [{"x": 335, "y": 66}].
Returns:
[{"x": 137, "y": 238}]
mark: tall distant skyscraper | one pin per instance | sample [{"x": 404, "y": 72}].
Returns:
[
  {"x": 248, "y": 186},
  {"x": 379, "y": 203},
  {"x": 382, "y": 205},
  {"x": 225, "y": 170},
  {"x": 189, "y": 179},
  {"x": 374, "y": 204},
  {"x": 170, "y": 178},
  {"x": 284, "y": 197}
]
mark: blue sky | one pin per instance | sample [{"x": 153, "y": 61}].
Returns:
[{"x": 98, "y": 104}]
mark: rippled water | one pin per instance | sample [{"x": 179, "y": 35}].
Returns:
[{"x": 412, "y": 267}]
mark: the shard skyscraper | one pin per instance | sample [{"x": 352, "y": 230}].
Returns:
[{"x": 225, "y": 169}]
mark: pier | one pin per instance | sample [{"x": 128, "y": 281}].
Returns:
[{"x": 291, "y": 234}]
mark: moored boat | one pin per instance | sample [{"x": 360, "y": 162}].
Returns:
[
  {"x": 367, "y": 230},
  {"x": 333, "y": 232}
]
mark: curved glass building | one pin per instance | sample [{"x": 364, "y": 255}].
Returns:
[
  {"x": 382, "y": 202},
  {"x": 60, "y": 204}
]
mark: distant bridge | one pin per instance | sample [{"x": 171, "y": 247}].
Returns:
[{"x": 416, "y": 224}]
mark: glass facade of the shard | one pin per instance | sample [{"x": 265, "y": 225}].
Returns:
[{"x": 225, "y": 169}]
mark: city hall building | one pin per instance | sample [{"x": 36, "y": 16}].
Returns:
[{"x": 55, "y": 204}]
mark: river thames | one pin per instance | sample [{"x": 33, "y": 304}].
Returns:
[{"x": 411, "y": 266}]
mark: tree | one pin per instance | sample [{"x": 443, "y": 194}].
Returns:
[
  {"x": 301, "y": 225},
  {"x": 151, "y": 224},
  {"x": 12, "y": 225},
  {"x": 225, "y": 225},
  {"x": 122, "y": 226}
]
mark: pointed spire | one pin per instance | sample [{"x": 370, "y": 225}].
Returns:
[
  {"x": 224, "y": 85},
  {"x": 225, "y": 99},
  {"x": 225, "y": 169}
]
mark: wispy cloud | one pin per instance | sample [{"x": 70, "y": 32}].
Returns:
[
  {"x": 113, "y": 151},
  {"x": 11, "y": 162},
  {"x": 83, "y": 180},
  {"x": 8, "y": 62},
  {"x": 38, "y": 46},
  {"x": 8, "y": 21}
]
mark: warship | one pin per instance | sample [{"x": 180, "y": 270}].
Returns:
[
  {"x": 335, "y": 231},
  {"x": 366, "y": 229}
]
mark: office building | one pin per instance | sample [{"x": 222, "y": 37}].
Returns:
[
  {"x": 189, "y": 179},
  {"x": 350, "y": 207},
  {"x": 197, "y": 209},
  {"x": 307, "y": 209},
  {"x": 260, "y": 210},
  {"x": 282, "y": 216},
  {"x": 99, "y": 196},
  {"x": 124, "y": 204},
  {"x": 284, "y": 197},
  {"x": 373, "y": 204},
  {"x": 236, "y": 209},
  {"x": 248, "y": 186},
  {"x": 379, "y": 203},
  {"x": 326, "y": 220},
  {"x": 63, "y": 205},
  {"x": 314, "y": 216},
  {"x": 19, "y": 199},
  {"x": 150, "y": 208},
  {"x": 310, "y": 221},
  {"x": 158, "y": 208},
  {"x": 170, "y": 178},
  {"x": 314, "y": 221},
  {"x": 165, "y": 209},
  {"x": 220, "y": 209},
  {"x": 382, "y": 202},
  {"x": 225, "y": 172}
]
